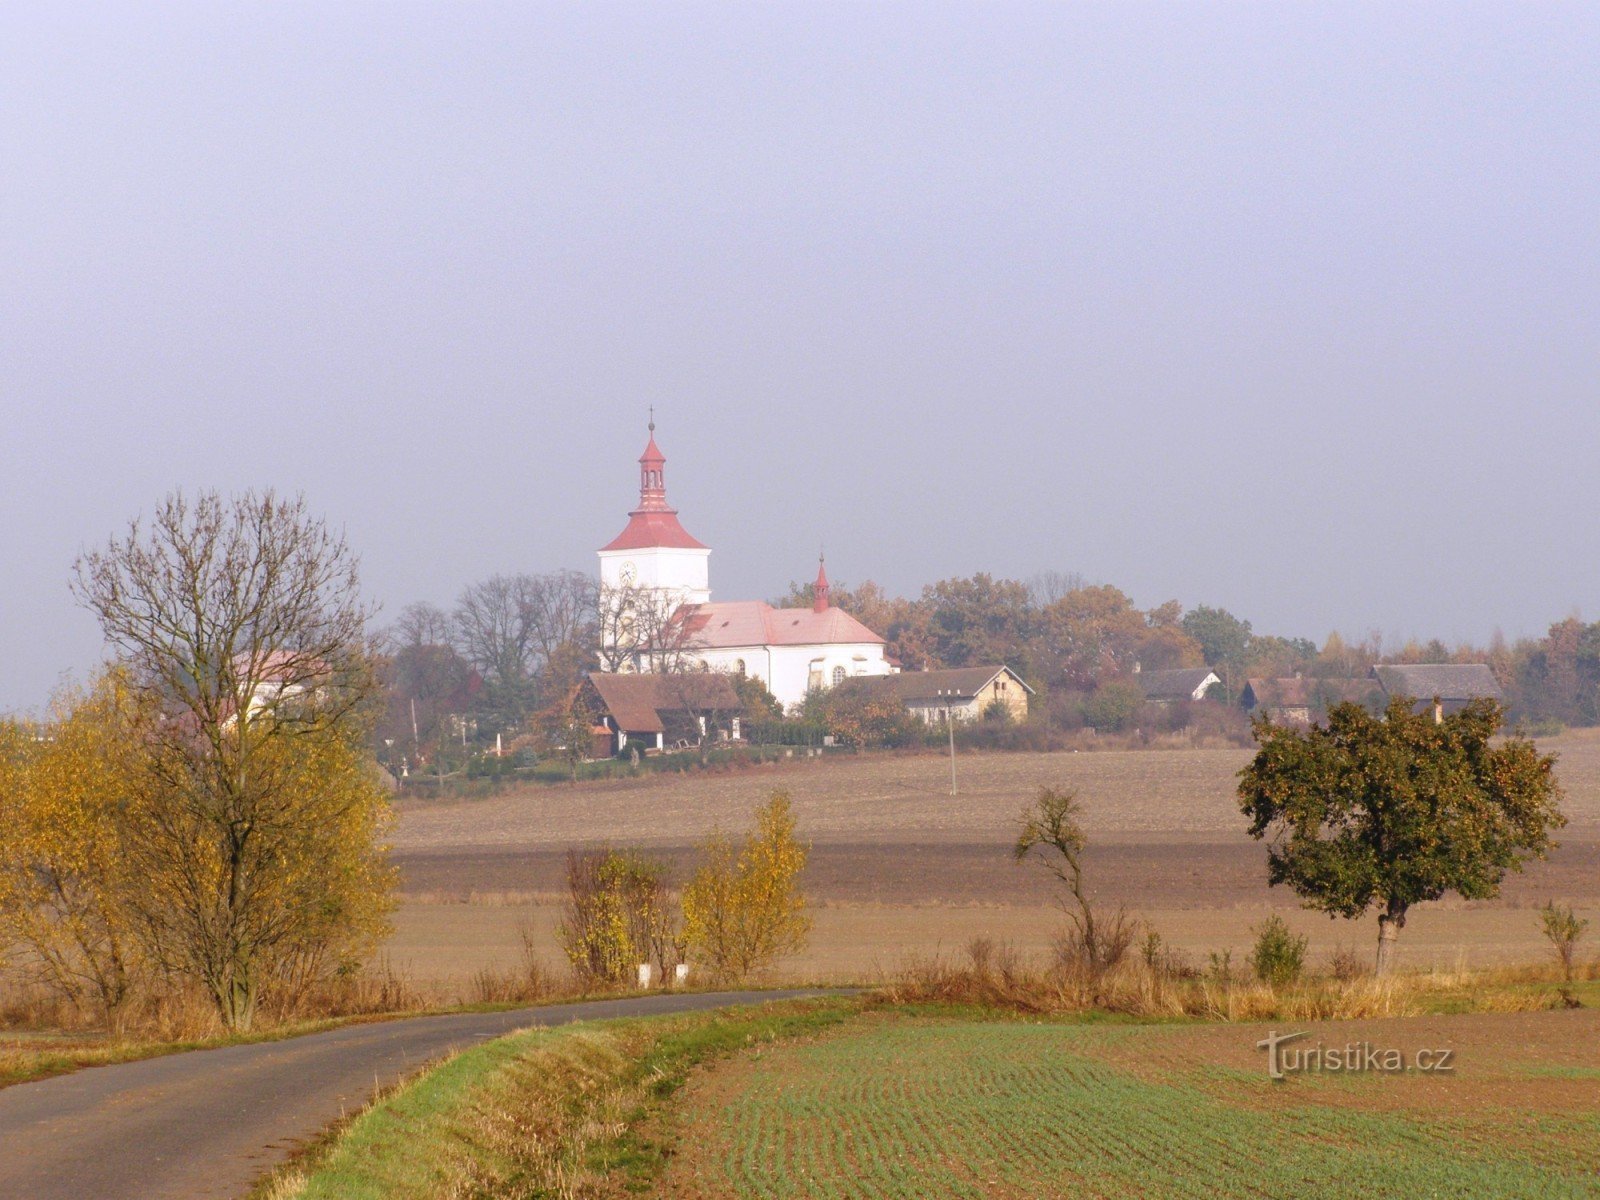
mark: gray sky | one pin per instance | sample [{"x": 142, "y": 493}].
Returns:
[{"x": 1290, "y": 308}]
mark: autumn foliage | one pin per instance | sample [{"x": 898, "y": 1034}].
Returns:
[{"x": 743, "y": 909}]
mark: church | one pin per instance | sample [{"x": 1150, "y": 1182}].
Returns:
[{"x": 654, "y": 566}]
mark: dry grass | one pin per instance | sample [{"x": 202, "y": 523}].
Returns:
[{"x": 991, "y": 975}]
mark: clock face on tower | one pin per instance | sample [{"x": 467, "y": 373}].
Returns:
[{"x": 628, "y": 574}]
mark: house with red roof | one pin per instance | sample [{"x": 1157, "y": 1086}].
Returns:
[{"x": 654, "y": 566}]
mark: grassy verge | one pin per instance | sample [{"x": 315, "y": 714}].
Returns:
[{"x": 543, "y": 1112}]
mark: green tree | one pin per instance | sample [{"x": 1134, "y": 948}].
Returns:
[
  {"x": 1225, "y": 641},
  {"x": 1387, "y": 812},
  {"x": 978, "y": 621},
  {"x": 1114, "y": 706}
]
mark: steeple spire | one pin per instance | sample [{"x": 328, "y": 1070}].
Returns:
[
  {"x": 819, "y": 590},
  {"x": 652, "y": 474}
]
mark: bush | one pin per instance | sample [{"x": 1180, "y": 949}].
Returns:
[
  {"x": 1114, "y": 706},
  {"x": 1279, "y": 955},
  {"x": 743, "y": 909},
  {"x": 617, "y": 916},
  {"x": 1562, "y": 927}
]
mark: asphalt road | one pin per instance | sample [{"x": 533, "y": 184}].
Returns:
[{"x": 207, "y": 1123}]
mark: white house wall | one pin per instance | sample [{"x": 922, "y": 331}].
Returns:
[{"x": 787, "y": 670}]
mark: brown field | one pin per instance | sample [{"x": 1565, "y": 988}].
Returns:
[{"x": 900, "y": 866}]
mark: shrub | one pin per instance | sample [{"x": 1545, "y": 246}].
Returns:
[
  {"x": 743, "y": 909},
  {"x": 1346, "y": 966},
  {"x": 1279, "y": 955},
  {"x": 617, "y": 915},
  {"x": 1563, "y": 928},
  {"x": 1114, "y": 706}
]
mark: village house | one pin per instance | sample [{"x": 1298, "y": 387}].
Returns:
[
  {"x": 1170, "y": 687},
  {"x": 964, "y": 693},
  {"x": 1300, "y": 700},
  {"x": 655, "y": 566},
  {"x": 654, "y": 712},
  {"x": 1446, "y": 687}
]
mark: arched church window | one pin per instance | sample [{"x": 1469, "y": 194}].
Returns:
[
  {"x": 838, "y": 675},
  {"x": 739, "y": 666}
]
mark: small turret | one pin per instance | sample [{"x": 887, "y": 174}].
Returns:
[{"x": 819, "y": 600}]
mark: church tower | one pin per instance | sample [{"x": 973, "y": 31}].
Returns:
[{"x": 653, "y": 550}]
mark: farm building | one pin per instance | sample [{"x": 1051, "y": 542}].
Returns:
[
  {"x": 1446, "y": 686},
  {"x": 1299, "y": 701},
  {"x": 964, "y": 692},
  {"x": 658, "y": 711},
  {"x": 1169, "y": 687}
]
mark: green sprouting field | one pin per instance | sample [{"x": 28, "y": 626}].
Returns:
[{"x": 936, "y": 1107}]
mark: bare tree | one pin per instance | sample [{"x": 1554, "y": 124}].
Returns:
[
  {"x": 560, "y": 610},
  {"x": 1045, "y": 588},
  {"x": 240, "y": 622},
  {"x": 491, "y": 628},
  {"x": 641, "y": 629},
  {"x": 1050, "y": 831},
  {"x": 420, "y": 624}
]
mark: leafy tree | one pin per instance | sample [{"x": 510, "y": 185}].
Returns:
[
  {"x": 862, "y": 717},
  {"x": 977, "y": 621},
  {"x": 1092, "y": 633},
  {"x": 257, "y": 822},
  {"x": 1391, "y": 811},
  {"x": 743, "y": 908},
  {"x": 67, "y": 887},
  {"x": 1224, "y": 641}
]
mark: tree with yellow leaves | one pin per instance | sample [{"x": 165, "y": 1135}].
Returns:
[
  {"x": 743, "y": 909},
  {"x": 66, "y": 883}
]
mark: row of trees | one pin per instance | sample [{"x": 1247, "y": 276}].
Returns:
[{"x": 1071, "y": 640}]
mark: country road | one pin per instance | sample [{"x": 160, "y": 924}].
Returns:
[{"x": 208, "y": 1122}]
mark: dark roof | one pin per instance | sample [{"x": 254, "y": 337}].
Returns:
[
  {"x": 1179, "y": 684},
  {"x": 1300, "y": 692},
  {"x": 912, "y": 687},
  {"x": 636, "y": 702},
  {"x": 1447, "y": 681}
]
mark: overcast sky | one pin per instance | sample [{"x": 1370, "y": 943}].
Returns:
[{"x": 1288, "y": 308}]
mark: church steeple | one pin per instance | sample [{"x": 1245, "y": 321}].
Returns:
[
  {"x": 654, "y": 523},
  {"x": 652, "y": 474},
  {"x": 819, "y": 590}
]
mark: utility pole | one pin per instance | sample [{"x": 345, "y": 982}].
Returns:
[{"x": 950, "y": 724}]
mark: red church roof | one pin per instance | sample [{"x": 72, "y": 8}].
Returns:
[
  {"x": 730, "y": 623},
  {"x": 647, "y": 529},
  {"x": 654, "y": 523}
]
